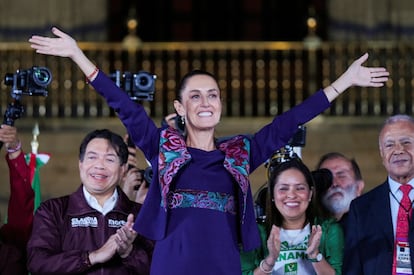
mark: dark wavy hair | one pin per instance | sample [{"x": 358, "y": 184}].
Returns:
[
  {"x": 114, "y": 139},
  {"x": 275, "y": 168}
]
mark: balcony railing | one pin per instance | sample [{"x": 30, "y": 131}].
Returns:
[{"x": 256, "y": 78}]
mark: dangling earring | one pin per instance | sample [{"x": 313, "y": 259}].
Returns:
[{"x": 180, "y": 124}]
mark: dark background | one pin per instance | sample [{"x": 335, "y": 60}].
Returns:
[{"x": 216, "y": 20}]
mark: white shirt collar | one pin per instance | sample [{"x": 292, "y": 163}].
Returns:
[
  {"x": 93, "y": 202},
  {"x": 395, "y": 186}
]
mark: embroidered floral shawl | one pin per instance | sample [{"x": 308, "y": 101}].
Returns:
[{"x": 173, "y": 155}]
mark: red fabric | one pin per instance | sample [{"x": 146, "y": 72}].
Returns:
[
  {"x": 403, "y": 223},
  {"x": 15, "y": 234},
  {"x": 18, "y": 228}
]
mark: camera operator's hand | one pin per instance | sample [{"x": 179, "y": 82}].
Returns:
[
  {"x": 132, "y": 152},
  {"x": 8, "y": 135},
  {"x": 141, "y": 194},
  {"x": 132, "y": 159},
  {"x": 169, "y": 120},
  {"x": 132, "y": 182}
]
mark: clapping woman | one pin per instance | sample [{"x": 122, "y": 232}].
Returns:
[{"x": 294, "y": 239}]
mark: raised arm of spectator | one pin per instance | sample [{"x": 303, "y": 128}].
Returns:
[{"x": 21, "y": 201}]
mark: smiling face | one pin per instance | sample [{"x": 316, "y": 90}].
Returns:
[
  {"x": 292, "y": 195},
  {"x": 100, "y": 169},
  {"x": 199, "y": 103},
  {"x": 396, "y": 143}
]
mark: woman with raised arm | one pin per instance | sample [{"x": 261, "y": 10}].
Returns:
[{"x": 199, "y": 206}]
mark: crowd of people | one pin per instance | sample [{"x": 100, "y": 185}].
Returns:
[{"x": 196, "y": 215}]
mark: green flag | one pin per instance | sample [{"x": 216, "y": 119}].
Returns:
[{"x": 35, "y": 162}]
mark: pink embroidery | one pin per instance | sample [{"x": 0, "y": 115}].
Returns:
[{"x": 174, "y": 154}]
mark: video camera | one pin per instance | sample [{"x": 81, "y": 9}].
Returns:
[
  {"x": 299, "y": 138},
  {"x": 146, "y": 174},
  {"x": 139, "y": 86},
  {"x": 32, "y": 81},
  {"x": 323, "y": 180},
  {"x": 281, "y": 155}
]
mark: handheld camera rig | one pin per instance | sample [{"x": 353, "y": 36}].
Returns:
[
  {"x": 139, "y": 86},
  {"x": 32, "y": 82}
]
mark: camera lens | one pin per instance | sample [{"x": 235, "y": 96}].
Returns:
[
  {"x": 144, "y": 81},
  {"x": 41, "y": 76},
  {"x": 148, "y": 173},
  {"x": 323, "y": 179},
  {"x": 8, "y": 79}
]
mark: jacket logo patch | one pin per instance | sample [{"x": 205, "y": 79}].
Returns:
[
  {"x": 115, "y": 223},
  {"x": 85, "y": 222}
]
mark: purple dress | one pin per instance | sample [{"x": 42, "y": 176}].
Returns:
[
  {"x": 195, "y": 234},
  {"x": 199, "y": 207}
]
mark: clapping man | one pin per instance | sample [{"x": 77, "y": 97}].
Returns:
[{"x": 90, "y": 231}]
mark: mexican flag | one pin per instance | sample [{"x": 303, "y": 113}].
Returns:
[{"x": 35, "y": 162}]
